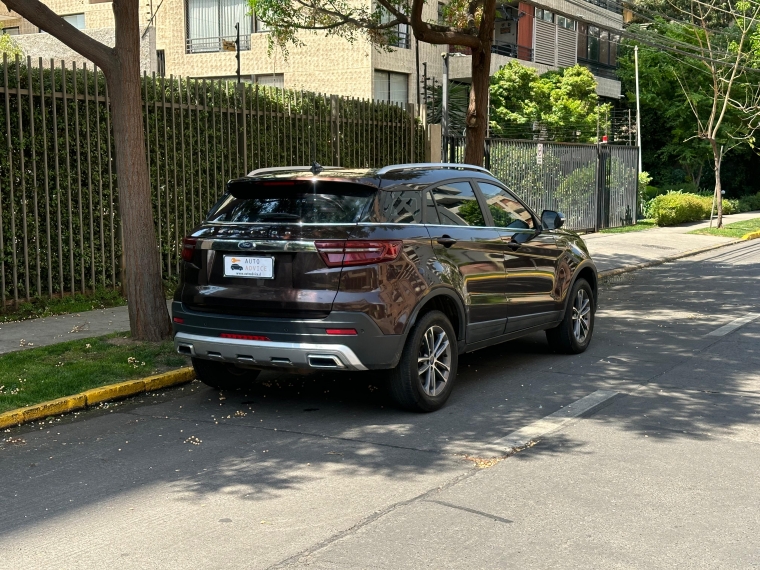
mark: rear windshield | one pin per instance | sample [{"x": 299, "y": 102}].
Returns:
[{"x": 307, "y": 202}]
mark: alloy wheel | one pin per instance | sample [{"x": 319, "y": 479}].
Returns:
[
  {"x": 434, "y": 360},
  {"x": 581, "y": 316}
]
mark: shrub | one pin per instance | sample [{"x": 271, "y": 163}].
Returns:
[
  {"x": 749, "y": 203},
  {"x": 677, "y": 208},
  {"x": 681, "y": 207}
]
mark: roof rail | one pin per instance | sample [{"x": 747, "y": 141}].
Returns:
[
  {"x": 290, "y": 169},
  {"x": 437, "y": 165}
]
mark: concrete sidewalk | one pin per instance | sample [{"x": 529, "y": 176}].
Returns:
[
  {"x": 615, "y": 251},
  {"x": 610, "y": 251}
]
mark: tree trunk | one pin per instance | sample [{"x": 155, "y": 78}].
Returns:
[
  {"x": 477, "y": 110},
  {"x": 148, "y": 317},
  {"x": 717, "y": 157}
]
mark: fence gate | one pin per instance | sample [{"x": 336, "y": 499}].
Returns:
[{"x": 594, "y": 186}]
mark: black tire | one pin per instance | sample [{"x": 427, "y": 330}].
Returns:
[
  {"x": 564, "y": 338},
  {"x": 223, "y": 376},
  {"x": 411, "y": 388}
]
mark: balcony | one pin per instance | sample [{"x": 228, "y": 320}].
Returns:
[
  {"x": 611, "y": 5},
  {"x": 215, "y": 44},
  {"x": 599, "y": 69},
  {"x": 500, "y": 48}
]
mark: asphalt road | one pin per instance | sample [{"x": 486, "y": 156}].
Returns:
[{"x": 321, "y": 471}]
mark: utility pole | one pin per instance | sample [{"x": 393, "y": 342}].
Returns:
[
  {"x": 237, "y": 56},
  {"x": 638, "y": 106},
  {"x": 445, "y": 108}
]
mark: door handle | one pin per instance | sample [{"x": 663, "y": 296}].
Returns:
[
  {"x": 446, "y": 241},
  {"x": 513, "y": 245}
]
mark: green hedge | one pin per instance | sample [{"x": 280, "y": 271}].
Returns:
[{"x": 681, "y": 207}]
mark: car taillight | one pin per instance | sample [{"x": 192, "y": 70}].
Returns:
[
  {"x": 357, "y": 252},
  {"x": 188, "y": 248},
  {"x": 341, "y": 332}
]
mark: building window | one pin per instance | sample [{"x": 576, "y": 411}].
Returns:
[
  {"x": 211, "y": 24},
  {"x": 597, "y": 46},
  {"x": 597, "y": 50},
  {"x": 398, "y": 36},
  {"x": 566, "y": 23},
  {"x": 544, "y": 15},
  {"x": 161, "y": 62},
  {"x": 392, "y": 87},
  {"x": 11, "y": 31},
  {"x": 76, "y": 20},
  {"x": 276, "y": 80},
  {"x": 441, "y": 7}
]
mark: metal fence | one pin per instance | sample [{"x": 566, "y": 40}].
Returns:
[
  {"x": 59, "y": 222},
  {"x": 595, "y": 186}
]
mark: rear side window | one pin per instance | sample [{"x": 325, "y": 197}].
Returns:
[
  {"x": 320, "y": 202},
  {"x": 401, "y": 207},
  {"x": 457, "y": 205}
]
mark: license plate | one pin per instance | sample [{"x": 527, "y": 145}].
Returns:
[{"x": 253, "y": 267}]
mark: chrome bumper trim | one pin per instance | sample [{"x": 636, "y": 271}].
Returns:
[{"x": 268, "y": 353}]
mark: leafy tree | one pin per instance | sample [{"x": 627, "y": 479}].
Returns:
[
  {"x": 148, "y": 317},
  {"x": 557, "y": 105},
  {"x": 9, "y": 47},
  {"x": 717, "y": 37},
  {"x": 468, "y": 24}
]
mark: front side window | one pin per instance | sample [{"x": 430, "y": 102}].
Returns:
[
  {"x": 506, "y": 210},
  {"x": 211, "y": 25},
  {"x": 457, "y": 205}
]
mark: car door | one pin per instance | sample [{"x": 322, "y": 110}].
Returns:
[
  {"x": 469, "y": 256},
  {"x": 530, "y": 259}
]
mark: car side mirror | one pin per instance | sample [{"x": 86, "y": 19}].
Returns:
[{"x": 552, "y": 220}]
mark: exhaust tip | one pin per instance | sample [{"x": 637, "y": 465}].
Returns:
[
  {"x": 186, "y": 349},
  {"x": 324, "y": 361}
]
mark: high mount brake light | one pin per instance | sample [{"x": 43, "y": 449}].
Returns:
[
  {"x": 188, "y": 248},
  {"x": 357, "y": 252}
]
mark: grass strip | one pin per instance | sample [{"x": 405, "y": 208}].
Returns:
[
  {"x": 49, "y": 306},
  {"x": 39, "y": 374},
  {"x": 734, "y": 230},
  {"x": 637, "y": 227}
]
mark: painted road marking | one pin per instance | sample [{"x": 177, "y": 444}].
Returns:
[
  {"x": 735, "y": 324},
  {"x": 553, "y": 422}
]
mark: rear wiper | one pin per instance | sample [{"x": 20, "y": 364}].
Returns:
[{"x": 279, "y": 216}]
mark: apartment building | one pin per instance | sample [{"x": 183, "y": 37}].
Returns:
[
  {"x": 551, "y": 34},
  {"x": 190, "y": 38}
]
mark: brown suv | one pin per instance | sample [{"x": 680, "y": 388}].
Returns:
[{"x": 401, "y": 268}]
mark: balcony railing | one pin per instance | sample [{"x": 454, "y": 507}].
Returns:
[
  {"x": 500, "y": 48},
  {"x": 611, "y": 5},
  {"x": 402, "y": 40},
  {"x": 215, "y": 44},
  {"x": 599, "y": 69},
  {"x": 512, "y": 50}
]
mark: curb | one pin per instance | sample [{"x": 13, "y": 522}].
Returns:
[
  {"x": 751, "y": 235},
  {"x": 656, "y": 262},
  {"x": 95, "y": 396}
]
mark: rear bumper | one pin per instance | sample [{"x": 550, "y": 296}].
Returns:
[
  {"x": 268, "y": 353},
  {"x": 292, "y": 343}
]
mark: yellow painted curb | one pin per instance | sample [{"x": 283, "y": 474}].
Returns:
[
  {"x": 751, "y": 235},
  {"x": 95, "y": 396}
]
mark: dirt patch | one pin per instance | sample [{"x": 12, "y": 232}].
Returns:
[{"x": 122, "y": 341}]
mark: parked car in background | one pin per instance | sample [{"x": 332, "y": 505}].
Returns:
[{"x": 401, "y": 268}]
